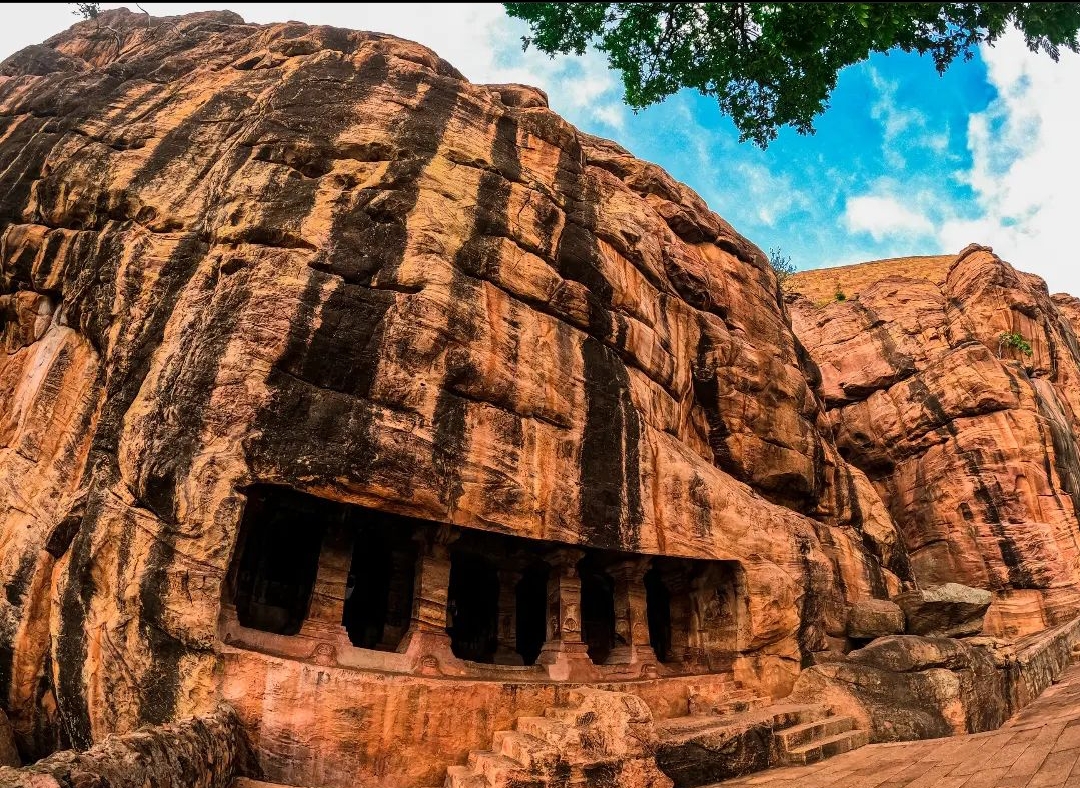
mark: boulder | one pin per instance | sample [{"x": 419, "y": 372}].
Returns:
[
  {"x": 874, "y": 618},
  {"x": 697, "y": 756},
  {"x": 949, "y": 610},
  {"x": 906, "y": 687}
]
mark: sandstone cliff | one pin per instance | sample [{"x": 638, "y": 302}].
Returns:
[
  {"x": 235, "y": 254},
  {"x": 970, "y": 442}
]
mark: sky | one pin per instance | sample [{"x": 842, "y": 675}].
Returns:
[{"x": 904, "y": 162}]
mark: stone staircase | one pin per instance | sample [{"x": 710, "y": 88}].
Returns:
[
  {"x": 822, "y": 736},
  {"x": 703, "y": 748},
  {"x": 597, "y": 738},
  {"x": 528, "y": 755}
]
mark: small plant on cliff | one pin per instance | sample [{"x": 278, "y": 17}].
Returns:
[
  {"x": 840, "y": 294},
  {"x": 781, "y": 265},
  {"x": 1012, "y": 340}
]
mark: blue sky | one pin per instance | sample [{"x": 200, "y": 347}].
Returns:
[{"x": 904, "y": 162}]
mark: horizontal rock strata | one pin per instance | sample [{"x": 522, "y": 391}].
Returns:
[
  {"x": 970, "y": 442},
  {"x": 322, "y": 260}
]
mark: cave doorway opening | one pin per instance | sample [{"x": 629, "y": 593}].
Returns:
[
  {"x": 531, "y": 625},
  {"x": 472, "y": 612},
  {"x": 658, "y": 613},
  {"x": 280, "y": 540},
  {"x": 379, "y": 590},
  {"x": 597, "y": 609}
]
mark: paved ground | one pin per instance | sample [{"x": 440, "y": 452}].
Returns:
[{"x": 1038, "y": 748}]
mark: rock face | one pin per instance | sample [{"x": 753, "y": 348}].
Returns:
[
  {"x": 970, "y": 443},
  {"x": 949, "y": 610},
  {"x": 268, "y": 293},
  {"x": 315, "y": 260},
  {"x": 874, "y": 618},
  {"x": 9, "y": 755},
  {"x": 907, "y": 687}
]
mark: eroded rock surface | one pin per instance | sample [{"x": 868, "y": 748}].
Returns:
[
  {"x": 874, "y": 618},
  {"x": 323, "y": 260},
  {"x": 948, "y": 610},
  {"x": 206, "y": 752},
  {"x": 907, "y": 687},
  {"x": 970, "y": 442}
]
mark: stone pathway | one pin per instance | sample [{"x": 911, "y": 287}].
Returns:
[{"x": 1037, "y": 748}]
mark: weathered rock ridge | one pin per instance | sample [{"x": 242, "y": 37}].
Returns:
[
  {"x": 302, "y": 256},
  {"x": 970, "y": 443},
  {"x": 321, "y": 261}
]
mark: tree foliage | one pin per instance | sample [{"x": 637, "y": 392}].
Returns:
[
  {"x": 775, "y": 64},
  {"x": 86, "y": 10}
]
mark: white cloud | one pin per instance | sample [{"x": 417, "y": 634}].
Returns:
[
  {"x": 1025, "y": 149},
  {"x": 903, "y": 127},
  {"x": 885, "y": 217}
]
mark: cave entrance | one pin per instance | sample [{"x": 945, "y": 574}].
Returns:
[
  {"x": 472, "y": 607},
  {"x": 379, "y": 589},
  {"x": 658, "y": 610},
  {"x": 325, "y": 570},
  {"x": 531, "y": 604},
  {"x": 281, "y": 537},
  {"x": 597, "y": 609}
]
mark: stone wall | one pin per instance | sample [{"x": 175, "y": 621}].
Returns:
[
  {"x": 1036, "y": 662},
  {"x": 323, "y": 725}
]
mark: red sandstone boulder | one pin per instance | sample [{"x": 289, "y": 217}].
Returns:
[
  {"x": 874, "y": 618},
  {"x": 906, "y": 687},
  {"x": 949, "y": 610}
]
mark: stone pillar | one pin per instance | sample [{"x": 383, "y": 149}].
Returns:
[
  {"x": 398, "y": 608},
  {"x": 327, "y": 610},
  {"x": 506, "y": 653},
  {"x": 631, "y": 616},
  {"x": 564, "y": 653},
  {"x": 700, "y": 593},
  {"x": 678, "y": 586},
  {"x": 427, "y": 627}
]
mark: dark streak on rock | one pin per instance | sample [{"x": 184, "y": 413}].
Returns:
[{"x": 610, "y": 505}]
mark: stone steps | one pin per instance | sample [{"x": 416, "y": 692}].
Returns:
[
  {"x": 789, "y": 739},
  {"x": 525, "y": 756},
  {"x": 821, "y": 749},
  {"x": 699, "y": 750},
  {"x": 530, "y": 751}
]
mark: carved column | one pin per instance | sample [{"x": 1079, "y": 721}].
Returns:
[
  {"x": 677, "y": 582},
  {"x": 427, "y": 627},
  {"x": 700, "y": 594},
  {"x": 506, "y": 653},
  {"x": 327, "y": 610},
  {"x": 631, "y": 616},
  {"x": 564, "y": 652}
]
